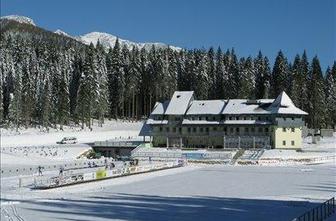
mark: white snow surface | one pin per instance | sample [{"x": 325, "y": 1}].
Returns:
[
  {"x": 199, "y": 107},
  {"x": 179, "y": 102},
  {"x": 34, "y": 136},
  {"x": 19, "y": 18},
  {"x": 189, "y": 193}
]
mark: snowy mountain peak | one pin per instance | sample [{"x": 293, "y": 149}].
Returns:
[
  {"x": 19, "y": 18},
  {"x": 60, "y": 32},
  {"x": 108, "y": 40}
]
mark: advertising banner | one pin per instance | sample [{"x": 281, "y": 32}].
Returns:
[{"x": 101, "y": 173}]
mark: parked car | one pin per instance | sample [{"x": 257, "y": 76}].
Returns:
[{"x": 68, "y": 140}]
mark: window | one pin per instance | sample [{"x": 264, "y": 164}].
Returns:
[
  {"x": 246, "y": 130},
  {"x": 293, "y": 129},
  {"x": 192, "y": 118},
  {"x": 284, "y": 119},
  {"x": 215, "y": 129},
  {"x": 213, "y": 118},
  {"x": 201, "y": 129},
  {"x": 284, "y": 143},
  {"x": 207, "y": 129},
  {"x": 177, "y": 118},
  {"x": 160, "y": 129},
  {"x": 174, "y": 129},
  {"x": 206, "y": 118},
  {"x": 293, "y": 142},
  {"x": 252, "y": 129},
  {"x": 180, "y": 129},
  {"x": 224, "y": 129},
  {"x": 237, "y": 118},
  {"x": 266, "y": 129},
  {"x": 244, "y": 118},
  {"x": 167, "y": 129},
  {"x": 199, "y": 118},
  {"x": 189, "y": 129},
  {"x": 260, "y": 129},
  {"x": 292, "y": 118},
  {"x": 230, "y": 118},
  {"x": 231, "y": 130},
  {"x": 237, "y": 129},
  {"x": 259, "y": 118},
  {"x": 194, "y": 129},
  {"x": 284, "y": 129}
]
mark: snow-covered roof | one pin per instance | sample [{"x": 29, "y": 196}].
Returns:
[
  {"x": 152, "y": 121},
  {"x": 160, "y": 108},
  {"x": 247, "y": 122},
  {"x": 179, "y": 103},
  {"x": 191, "y": 122},
  {"x": 244, "y": 106},
  {"x": 199, "y": 107},
  {"x": 183, "y": 103},
  {"x": 284, "y": 105}
]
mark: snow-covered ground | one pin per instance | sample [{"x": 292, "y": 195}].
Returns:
[
  {"x": 34, "y": 136},
  {"x": 194, "y": 192},
  {"x": 188, "y": 193}
]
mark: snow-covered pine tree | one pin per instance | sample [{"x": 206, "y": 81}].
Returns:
[
  {"x": 299, "y": 73},
  {"x": 262, "y": 76},
  {"x": 46, "y": 103},
  {"x": 330, "y": 90},
  {"x": 234, "y": 80},
  {"x": 116, "y": 79},
  {"x": 247, "y": 79},
  {"x": 280, "y": 75},
  {"x": 316, "y": 96},
  {"x": 63, "y": 100},
  {"x": 14, "y": 109},
  {"x": 102, "y": 87},
  {"x": 28, "y": 94},
  {"x": 211, "y": 72},
  {"x": 201, "y": 86},
  {"x": 220, "y": 78}
]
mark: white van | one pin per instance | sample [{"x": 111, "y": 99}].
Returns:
[{"x": 68, "y": 140}]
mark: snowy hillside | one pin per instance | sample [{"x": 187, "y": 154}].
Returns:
[
  {"x": 21, "y": 19},
  {"x": 108, "y": 40},
  {"x": 60, "y": 32}
]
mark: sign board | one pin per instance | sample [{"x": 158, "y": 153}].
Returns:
[
  {"x": 101, "y": 173},
  {"x": 194, "y": 156}
]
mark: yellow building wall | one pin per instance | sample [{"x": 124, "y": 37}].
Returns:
[{"x": 288, "y": 136}]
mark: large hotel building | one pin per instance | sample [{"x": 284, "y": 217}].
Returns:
[{"x": 184, "y": 121}]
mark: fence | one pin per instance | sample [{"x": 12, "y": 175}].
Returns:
[
  {"x": 319, "y": 213},
  {"x": 76, "y": 178}
]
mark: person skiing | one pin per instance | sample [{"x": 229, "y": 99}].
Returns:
[
  {"x": 61, "y": 171},
  {"x": 39, "y": 170}
]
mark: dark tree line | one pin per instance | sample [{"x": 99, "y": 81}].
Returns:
[{"x": 52, "y": 81}]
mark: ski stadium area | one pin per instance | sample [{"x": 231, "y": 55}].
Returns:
[{"x": 159, "y": 183}]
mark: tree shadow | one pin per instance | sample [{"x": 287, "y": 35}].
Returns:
[{"x": 134, "y": 207}]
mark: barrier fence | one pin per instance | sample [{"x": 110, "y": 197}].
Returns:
[
  {"x": 75, "y": 178},
  {"x": 319, "y": 213}
]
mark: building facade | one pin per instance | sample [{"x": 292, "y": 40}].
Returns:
[{"x": 184, "y": 121}]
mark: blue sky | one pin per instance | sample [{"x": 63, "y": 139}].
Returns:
[{"x": 246, "y": 25}]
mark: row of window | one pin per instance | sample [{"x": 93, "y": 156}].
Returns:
[
  {"x": 225, "y": 129},
  {"x": 284, "y": 143},
  {"x": 284, "y": 129}
]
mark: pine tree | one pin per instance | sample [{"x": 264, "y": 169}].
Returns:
[
  {"x": 316, "y": 96},
  {"x": 219, "y": 86},
  {"x": 102, "y": 87},
  {"x": 280, "y": 75},
  {"x": 63, "y": 100},
  {"x": 247, "y": 76},
  {"x": 330, "y": 90},
  {"x": 115, "y": 79},
  {"x": 211, "y": 73},
  {"x": 262, "y": 76}
]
